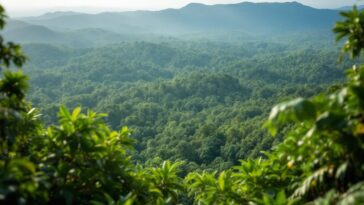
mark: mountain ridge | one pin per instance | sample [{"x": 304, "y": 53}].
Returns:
[
  {"x": 350, "y": 7},
  {"x": 70, "y": 12},
  {"x": 253, "y": 19}
]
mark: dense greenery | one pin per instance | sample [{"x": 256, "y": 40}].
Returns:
[
  {"x": 202, "y": 102},
  {"x": 80, "y": 160}
]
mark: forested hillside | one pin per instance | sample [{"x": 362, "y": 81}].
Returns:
[
  {"x": 272, "y": 18},
  {"x": 230, "y": 22},
  {"x": 216, "y": 95},
  {"x": 215, "y": 84}
]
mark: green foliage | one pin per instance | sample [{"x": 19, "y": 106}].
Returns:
[
  {"x": 20, "y": 179},
  {"x": 84, "y": 159},
  {"x": 352, "y": 29},
  {"x": 206, "y": 189},
  {"x": 165, "y": 182},
  {"x": 320, "y": 160},
  {"x": 201, "y": 102}
]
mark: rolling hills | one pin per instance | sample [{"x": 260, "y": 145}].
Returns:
[{"x": 251, "y": 17}]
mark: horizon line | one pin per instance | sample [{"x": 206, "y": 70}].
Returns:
[{"x": 99, "y": 10}]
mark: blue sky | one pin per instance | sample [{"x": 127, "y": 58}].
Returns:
[{"x": 34, "y": 7}]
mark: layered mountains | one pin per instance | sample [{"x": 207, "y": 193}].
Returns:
[{"x": 252, "y": 19}]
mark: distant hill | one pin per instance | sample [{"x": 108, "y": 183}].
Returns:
[
  {"x": 20, "y": 31},
  {"x": 25, "y": 32},
  {"x": 56, "y": 14},
  {"x": 350, "y": 7},
  {"x": 252, "y": 18}
]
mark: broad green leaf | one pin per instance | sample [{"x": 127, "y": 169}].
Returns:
[{"x": 75, "y": 113}]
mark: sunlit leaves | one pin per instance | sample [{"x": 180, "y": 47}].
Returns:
[
  {"x": 165, "y": 182},
  {"x": 87, "y": 156},
  {"x": 351, "y": 29},
  {"x": 210, "y": 188},
  {"x": 295, "y": 111}
]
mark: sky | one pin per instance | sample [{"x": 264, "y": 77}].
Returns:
[{"x": 16, "y": 8}]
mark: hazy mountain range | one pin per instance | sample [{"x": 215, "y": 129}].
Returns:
[
  {"x": 251, "y": 19},
  {"x": 350, "y": 7}
]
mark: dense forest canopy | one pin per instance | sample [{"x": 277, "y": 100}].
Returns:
[
  {"x": 159, "y": 85},
  {"x": 156, "y": 89},
  {"x": 188, "y": 113}
]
